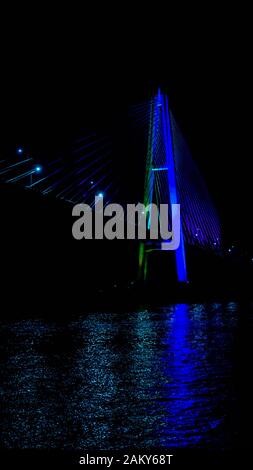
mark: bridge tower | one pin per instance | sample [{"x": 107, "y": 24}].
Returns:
[{"x": 161, "y": 161}]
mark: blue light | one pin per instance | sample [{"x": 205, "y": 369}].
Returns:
[
  {"x": 100, "y": 195},
  {"x": 91, "y": 182},
  {"x": 229, "y": 250},
  {"x": 38, "y": 169},
  {"x": 19, "y": 150},
  {"x": 170, "y": 164}
]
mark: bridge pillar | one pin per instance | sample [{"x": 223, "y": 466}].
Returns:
[
  {"x": 160, "y": 117},
  {"x": 170, "y": 162}
]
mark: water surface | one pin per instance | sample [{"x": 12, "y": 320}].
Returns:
[{"x": 173, "y": 377}]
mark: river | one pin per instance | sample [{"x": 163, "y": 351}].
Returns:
[{"x": 176, "y": 377}]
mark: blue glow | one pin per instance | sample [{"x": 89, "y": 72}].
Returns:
[
  {"x": 100, "y": 195},
  {"x": 186, "y": 360},
  {"x": 91, "y": 182},
  {"x": 19, "y": 150},
  {"x": 180, "y": 252},
  {"x": 38, "y": 169}
]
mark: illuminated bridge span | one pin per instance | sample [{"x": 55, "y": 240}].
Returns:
[{"x": 171, "y": 177}]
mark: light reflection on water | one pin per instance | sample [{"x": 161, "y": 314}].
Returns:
[{"x": 113, "y": 381}]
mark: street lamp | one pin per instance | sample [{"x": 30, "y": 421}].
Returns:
[{"x": 37, "y": 169}]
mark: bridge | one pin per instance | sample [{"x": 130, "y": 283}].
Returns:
[{"x": 171, "y": 177}]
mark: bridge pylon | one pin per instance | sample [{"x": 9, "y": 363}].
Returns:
[{"x": 160, "y": 180}]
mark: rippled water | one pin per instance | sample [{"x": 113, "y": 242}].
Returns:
[{"x": 111, "y": 381}]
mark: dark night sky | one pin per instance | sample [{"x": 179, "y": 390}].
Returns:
[{"x": 59, "y": 80}]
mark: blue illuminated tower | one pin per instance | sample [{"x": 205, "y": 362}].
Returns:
[
  {"x": 160, "y": 161},
  {"x": 174, "y": 199}
]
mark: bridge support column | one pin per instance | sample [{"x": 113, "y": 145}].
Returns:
[
  {"x": 168, "y": 142},
  {"x": 160, "y": 125}
]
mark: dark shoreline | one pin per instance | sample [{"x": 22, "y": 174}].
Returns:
[{"x": 119, "y": 299}]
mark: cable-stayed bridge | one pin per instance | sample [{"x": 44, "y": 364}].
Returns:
[{"x": 170, "y": 176}]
